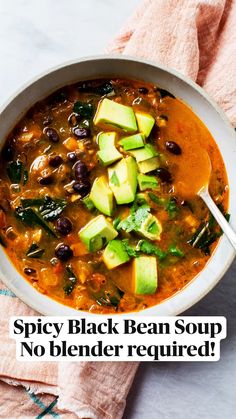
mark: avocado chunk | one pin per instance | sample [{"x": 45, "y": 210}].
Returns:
[
  {"x": 97, "y": 233},
  {"x": 132, "y": 142},
  {"x": 144, "y": 153},
  {"x": 108, "y": 154},
  {"x": 123, "y": 180},
  {"x": 145, "y": 122},
  {"x": 151, "y": 228},
  {"x": 148, "y": 165},
  {"x": 107, "y": 140},
  {"x": 145, "y": 275},
  {"x": 112, "y": 114},
  {"x": 102, "y": 196},
  {"x": 147, "y": 182},
  {"x": 115, "y": 254}
]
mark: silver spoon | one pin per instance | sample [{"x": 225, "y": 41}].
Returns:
[{"x": 223, "y": 223}]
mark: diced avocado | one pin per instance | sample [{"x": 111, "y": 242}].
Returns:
[
  {"x": 147, "y": 182},
  {"x": 132, "y": 142},
  {"x": 102, "y": 196},
  {"x": 151, "y": 228},
  {"x": 108, "y": 154},
  {"x": 145, "y": 122},
  {"x": 115, "y": 254},
  {"x": 113, "y": 114},
  {"x": 148, "y": 165},
  {"x": 144, "y": 153},
  {"x": 107, "y": 140},
  {"x": 145, "y": 275},
  {"x": 123, "y": 180},
  {"x": 97, "y": 233}
]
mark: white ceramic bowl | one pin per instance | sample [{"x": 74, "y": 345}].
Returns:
[{"x": 189, "y": 92}]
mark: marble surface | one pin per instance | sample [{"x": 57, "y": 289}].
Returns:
[{"x": 35, "y": 35}]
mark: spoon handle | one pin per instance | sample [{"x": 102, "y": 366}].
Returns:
[{"x": 223, "y": 223}]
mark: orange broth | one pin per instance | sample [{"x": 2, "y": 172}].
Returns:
[{"x": 32, "y": 148}]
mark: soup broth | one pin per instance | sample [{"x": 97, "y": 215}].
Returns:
[{"x": 92, "y": 212}]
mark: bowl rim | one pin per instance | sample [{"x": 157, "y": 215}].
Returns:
[{"x": 183, "y": 305}]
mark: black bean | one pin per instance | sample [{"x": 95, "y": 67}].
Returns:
[
  {"x": 73, "y": 119},
  {"x": 164, "y": 175},
  {"x": 80, "y": 170},
  {"x": 63, "y": 252},
  {"x": 173, "y": 147},
  {"x": 81, "y": 133},
  {"x": 47, "y": 180},
  {"x": 143, "y": 90},
  {"x": 64, "y": 226},
  {"x": 29, "y": 271},
  {"x": 72, "y": 157},
  {"x": 55, "y": 161},
  {"x": 52, "y": 134},
  {"x": 83, "y": 187}
]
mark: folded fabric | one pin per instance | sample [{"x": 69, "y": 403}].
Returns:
[
  {"x": 195, "y": 37},
  {"x": 198, "y": 38}
]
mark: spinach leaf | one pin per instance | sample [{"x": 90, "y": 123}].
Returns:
[
  {"x": 52, "y": 208},
  {"x": 32, "y": 202},
  {"x": 31, "y": 218},
  {"x": 111, "y": 298},
  {"x": 35, "y": 252},
  {"x": 85, "y": 110},
  {"x": 71, "y": 280},
  {"x": 207, "y": 233},
  {"x": 15, "y": 170},
  {"x": 49, "y": 208}
]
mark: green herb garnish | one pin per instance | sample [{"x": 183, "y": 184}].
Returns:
[
  {"x": 175, "y": 251},
  {"x": 88, "y": 203},
  {"x": 132, "y": 252},
  {"x": 134, "y": 221},
  {"x": 114, "y": 179},
  {"x": 148, "y": 248},
  {"x": 171, "y": 208}
]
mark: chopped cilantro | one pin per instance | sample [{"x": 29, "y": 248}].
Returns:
[{"x": 114, "y": 179}]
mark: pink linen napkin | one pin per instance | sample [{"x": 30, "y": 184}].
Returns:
[{"x": 198, "y": 38}]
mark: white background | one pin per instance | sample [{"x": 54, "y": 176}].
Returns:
[{"x": 36, "y": 34}]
